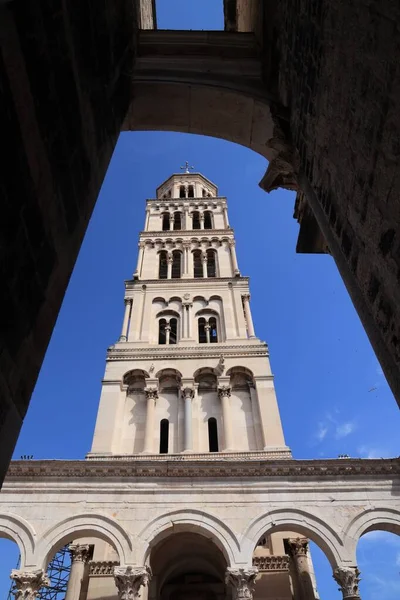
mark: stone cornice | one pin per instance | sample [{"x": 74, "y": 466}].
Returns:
[
  {"x": 197, "y": 282},
  {"x": 180, "y": 466},
  {"x": 189, "y": 352},
  {"x": 177, "y": 233}
]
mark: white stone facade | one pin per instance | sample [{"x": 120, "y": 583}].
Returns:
[{"x": 189, "y": 489}]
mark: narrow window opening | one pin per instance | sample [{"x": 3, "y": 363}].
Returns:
[
  {"x": 202, "y": 331},
  {"x": 212, "y": 435},
  {"x": 197, "y": 264},
  {"x": 204, "y": 193},
  {"x": 213, "y": 330},
  {"x": 169, "y": 193},
  {"x": 176, "y": 264},
  {"x": 163, "y": 266},
  {"x": 173, "y": 323},
  {"x": 211, "y": 264},
  {"x": 177, "y": 221},
  {"x": 165, "y": 222},
  {"x": 164, "y": 434},
  {"x": 196, "y": 220},
  {"x": 182, "y": 193},
  {"x": 191, "y": 191},
  {"x": 208, "y": 220},
  {"x": 162, "y": 336}
]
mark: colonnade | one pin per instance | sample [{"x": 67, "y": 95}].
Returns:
[{"x": 130, "y": 579}]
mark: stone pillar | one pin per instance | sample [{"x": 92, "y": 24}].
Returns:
[
  {"x": 189, "y": 319},
  {"x": 207, "y": 330},
  {"x": 242, "y": 582},
  {"x": 170, "y": 260},
  {"x": 235, "y": 266},
  {"x": 225, "y": 210},
  {"x": 348, "y": 579},
  {"x": 167, "y": 333},
  {"x": 188, "y": 395},
  {"x": 299, "y": 553},
  {"x": 224, "y": 393},
  {"x": 80, "y": 555},
  {"x": 28, "y": 583},
  {"x": 204, "y": 261},
  {"x": 247, "y": 314},
  {"x": 171, "y": 222},
  {"x": 186, "y": 221},
  {"x": 201, "y": 216},
  {"x": 137, "y": 273},
  {"x": 124, "y": 331},
  {"x": 129, "y": 580},
  {"x": 151, "y": 396}
]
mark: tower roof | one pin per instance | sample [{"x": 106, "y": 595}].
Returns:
[{"x": 187, "y": 177}]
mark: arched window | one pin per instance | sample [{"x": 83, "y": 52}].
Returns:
[
  {"x": 208, "y": 223},
  {"x": 211, "y": 263},
  {"x": 173, "y": 323},
  {"x": 164, "y": 434},
  {"x": 212, "y": 435},
  {"x": 177, "y": 220},
  {"x": 182, "y": 191},
  {"x": 176, "y": 264},
  {"x": 197, "y": 264},
  {"x": 163, "y": 265},
  {"x": 212, "y": 321},
  {"x": 196, "y": 219},
  {"x": 169, "y": 193},
  {"x": 162, "y": 334},
  {"x": 202, "y": 331},
  {"x": 203, "y": 193},
  {"x": 191, "y": 191},
  {"x": 165, "y": 221}
]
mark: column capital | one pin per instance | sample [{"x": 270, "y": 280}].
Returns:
[
  {"x": 141, "y": 245},
  {"x": 79, "y": 552},
  {"x": 298, "y": 546},
  {"x": 224, "y": 390},
  {"x": 204, "y": 256},
  {"x": 348, "y": 579},
  {"x": 127, "y": 301},
  {"x": 188, "y": 392},
  {"x": 170, "y": 258},
  {"x": 246, "y": 297},
  {"x": 242, "y": 581},
  {"x": 28, "y": 583},
  {"x": 232, "y": 242},
  {"x": 151, "y": 393},
  {"x": 129, "y": 580}
]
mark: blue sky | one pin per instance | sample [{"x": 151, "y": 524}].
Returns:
[{"x": 331, "y": 390}]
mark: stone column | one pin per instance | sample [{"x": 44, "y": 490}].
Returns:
[
  {"x": 348, "y": 579},
  {"x": 242, "y": 582},
  {"x": 188, "y": 395},
  {"x": 186, "y": 247},
  {"x": 80, "y": 554},
  {"x": 129, "y": 580},
  {"x": 146, "y": 225},
  {"x": 207, "y": 328},
  {"x": 186, "y": 221},
  {"x": 235, "y": 266},
  {"x": 139, "y": 260},
  {"x": 28, "y": 583},
  {"x": 299, "y": 552},
  {"x": 151, "y": 396},
  {"x": 167, "y": 333},
  {"x": 189, "y": 319},
  {"x": 247, "y": 314},
  {"x": 201, "y": 216},
  {"x": 124, "y": 331},
  {"x": 171, "y": 222},
  {"x": 204, "y": 261},
  {"x": 225, "y": 210},
  {"x": 224, "y": 393},
  {"x": 170, "y": 260}
]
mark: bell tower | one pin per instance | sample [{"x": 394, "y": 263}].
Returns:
[{"x": 188, "y": 373}]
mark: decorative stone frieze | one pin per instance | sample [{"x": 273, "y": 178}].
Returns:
[
  {"x": 242, "y": 582},
  {"x": 276, "y": 562},
  {"x": 28, "y": 583},
  {"x": 129, "y": 580},
  {"x": 348, "y": 580},
  {"x": 102, "y": 568}
]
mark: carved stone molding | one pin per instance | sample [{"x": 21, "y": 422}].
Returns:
[
  {"x": 348, "y": 579},
  {"x": 298, "y": 546},
  {"x": 28, "y": 583},
  {"x": 224, "y": 390},
  {"x": 102, "y": 568},
  {"x": 79, "y": 552},
  {"x": 129, "y": 580},
  {"x": 275, "y": 562},
  {"x": 151, "y": 393},
  {"x": 242, "y": 582}
]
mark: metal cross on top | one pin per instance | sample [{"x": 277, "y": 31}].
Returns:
[{"x": 187, "y": 168}]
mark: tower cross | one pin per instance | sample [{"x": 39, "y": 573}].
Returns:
[{"x": 186, "y": 167}]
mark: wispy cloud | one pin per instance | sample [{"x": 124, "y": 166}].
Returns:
[
  {"x": 374, "y": 452},
  {"x": 344, "y": 429},
  {"x": 332, "y": 426},
  {"x": 322, "y": 430}
]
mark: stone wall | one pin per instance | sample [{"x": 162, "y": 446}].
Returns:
[
  {"x": 62, "y": 66},
  {"x": 339, "y": 74}
]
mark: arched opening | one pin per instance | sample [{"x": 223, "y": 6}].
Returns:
[
  {"x": 162, "y": 333},
  {"x": 212, "y": 434},
  {"x": 176, "y": 264},
  {"x": 182, "y": 191},
  {"x": 378, "y": 559},
  {"x": 197, "y": 264},
  {"x": 164, "y": 436},
  {"x": 211, "y": 263},
  {"x": 166, "y": 218},
  {"x": 196, "y": 219},
  {"x": 177, "y": 221},
  {"x": 208, "y": 220},
  {"x": 173, "y": 334},
  {"x": 163, "y": 265},
  {"x": 10, "y": 559},
  {"x": 213, "y": 330},
  {"x": 202, "y": 330},
  {"x": 191, "y": 191}
]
